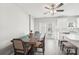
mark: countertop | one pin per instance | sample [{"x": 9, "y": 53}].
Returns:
[{"x": 72, "y": 38}]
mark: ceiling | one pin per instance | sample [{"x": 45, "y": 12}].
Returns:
[{"x": 37, "y": 9}]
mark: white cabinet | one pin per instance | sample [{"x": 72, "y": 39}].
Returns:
[
  {"x": 72, "y": 22},
  {"x": 67, "y": 24},
  {"x": 77, "y": 22}
]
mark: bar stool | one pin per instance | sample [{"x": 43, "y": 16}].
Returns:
[
  {"x": 60, "y": 44},
  {"x": 69, "y": 48}
]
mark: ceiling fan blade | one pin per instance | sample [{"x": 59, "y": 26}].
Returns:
[
  {"x": 59, "y": 10},
  {"x": 47, "y": 7},
  {"x": 60, "y": 5}
]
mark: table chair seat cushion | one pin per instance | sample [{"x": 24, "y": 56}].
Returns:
[
  {"x": 37, "y": 45},
  {"x": 69, "y": 45},
  {"x": 21, "y": 51}
]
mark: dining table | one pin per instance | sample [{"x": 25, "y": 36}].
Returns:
[{"x": 31, "y": 41}]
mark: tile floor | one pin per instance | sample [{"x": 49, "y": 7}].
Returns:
[{"x": 51, "y": 47}]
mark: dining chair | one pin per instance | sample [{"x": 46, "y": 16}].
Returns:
[
  {"x": 41, "y": 44},
  {"x": 37, "y": 34},
  {"x": 20, "y": 47}
]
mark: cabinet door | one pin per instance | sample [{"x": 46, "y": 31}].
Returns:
[
  {"x": 72, "y": 22},
  {"x": 77, "y": 22}
]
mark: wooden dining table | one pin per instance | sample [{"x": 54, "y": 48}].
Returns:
[{"x": 31, "y": 41}]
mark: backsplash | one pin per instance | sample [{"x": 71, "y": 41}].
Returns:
[{"x": 74, "y": 30}]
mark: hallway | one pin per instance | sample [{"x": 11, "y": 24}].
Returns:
[{"x": 51, "y": 47}]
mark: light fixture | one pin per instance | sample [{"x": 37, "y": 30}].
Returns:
[
  {"x": 53, "y": 8},
  {"x": 53, "y": 12}
]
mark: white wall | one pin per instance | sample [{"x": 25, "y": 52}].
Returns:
[
  {"x": 13, "y": 23},
  {"x": 38, "y": 21}
]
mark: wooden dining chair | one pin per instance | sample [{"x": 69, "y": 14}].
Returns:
[
  {"x": 19, "y": 47},
  {"x": 41, "y": 44}
]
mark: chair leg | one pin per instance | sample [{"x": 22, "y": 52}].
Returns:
[
  {"x": 75, "y": 51},
  {"x": 14, "y": 53},
  {"x": 43, "y": 52},
  {"x": 68, "y": 51}
]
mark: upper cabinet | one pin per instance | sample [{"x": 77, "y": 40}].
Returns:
[
  {"x": 77, "y": 22},
  {"x": 71, "y": 22},
  {"x": 68, "y": 24}
]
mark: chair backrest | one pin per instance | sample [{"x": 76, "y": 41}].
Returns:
[
  {"x": 18, "y": 44},
  {"x": 37, "y": 34},
  {"x": 44, "y": 40},
  {"x": 43, "y": 44}
]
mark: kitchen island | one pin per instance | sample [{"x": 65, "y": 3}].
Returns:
[{"x": 72, "y": 38}]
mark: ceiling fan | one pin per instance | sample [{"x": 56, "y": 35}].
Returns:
[{"x": 53, "y": 8}]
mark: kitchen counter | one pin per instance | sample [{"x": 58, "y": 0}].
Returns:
[{"x": 72, "y": 38}]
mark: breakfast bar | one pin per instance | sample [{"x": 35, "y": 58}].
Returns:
[{"x": 73, "y": 39}]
